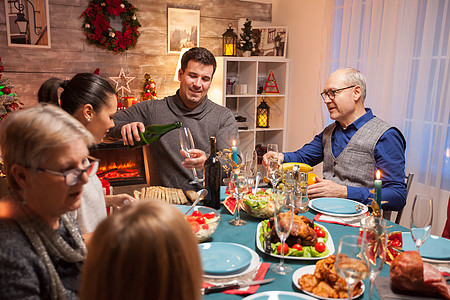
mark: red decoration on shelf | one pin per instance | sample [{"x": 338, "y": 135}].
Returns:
[{"x": 271, "y": 86}]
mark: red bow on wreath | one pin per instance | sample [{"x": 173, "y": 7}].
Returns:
[
  {"x": 114, "y": 7},
  {"x": 123, "y": 40},
  {"x": 100, "y": 24}
]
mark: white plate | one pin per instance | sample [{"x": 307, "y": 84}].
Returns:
[
  {"x": 329, "y": 244},
  {"x": 254, "y": 264},
  {"x": 310, "y": 270},
  {"x": 362, "y": 211},
  {"x": 278, "y": 295}
]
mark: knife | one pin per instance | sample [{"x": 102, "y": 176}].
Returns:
[{"x": 229, "y": 286}]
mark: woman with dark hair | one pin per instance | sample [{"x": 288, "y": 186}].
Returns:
[{"x": 92, "y": 101}]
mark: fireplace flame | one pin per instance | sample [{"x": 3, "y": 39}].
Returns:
[{"x": 121, "y": 171}]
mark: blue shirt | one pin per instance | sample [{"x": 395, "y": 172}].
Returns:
[{"x": 389, "y": 157}]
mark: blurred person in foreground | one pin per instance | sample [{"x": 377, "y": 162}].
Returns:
[
  {"x": 145, "y": 251},
  {"x": 45, "y": 154},
  {"x": 91, "y": 100},
  {"x": 353, "y": 147},
  {"x": 190, "y": 106}
]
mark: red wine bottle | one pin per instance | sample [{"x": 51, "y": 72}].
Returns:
[{"x": 212, "y": 175}]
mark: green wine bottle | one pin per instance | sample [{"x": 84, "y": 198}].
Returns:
[{"x": 153, "y": 133}]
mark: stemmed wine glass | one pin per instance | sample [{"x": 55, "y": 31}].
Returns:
[
  {"x": 352, "y": 262},
  {"x": 421, "y": 219},
  {"x": 187, "y": 143},
  {"x": 251, "y": 164},
  {"x": 284, "y": 216},
  {"x": 374, "y": 228},
  {"x": 273, "y": 172},
  {"x": 240, "y": 181}
]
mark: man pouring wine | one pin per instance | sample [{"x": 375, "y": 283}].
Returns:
[{"x": 190, "y": 106}]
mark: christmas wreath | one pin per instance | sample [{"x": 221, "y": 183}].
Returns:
[{"x": 97, "y": 28}]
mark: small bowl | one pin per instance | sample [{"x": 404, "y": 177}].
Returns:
[
  {"x": 202, "y": 231},
  {"x": 259, "y": 206}
]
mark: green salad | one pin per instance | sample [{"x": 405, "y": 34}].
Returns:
[
  {"x": 306, "y": 251},
  {"x": 259, "y": 205}
]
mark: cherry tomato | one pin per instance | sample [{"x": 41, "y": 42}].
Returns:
[
  {"x": 286, "y": 249},
  {"x": 298, "y": 247},
  {"x": 196, "y": 213},
  {"x": 191, "y": 219},
  {"x": 209, "y": 215},
  {"x": 320, "y": 247},
  {"x": 317, "y": 228},
  {"x": 320, "y": 233},
  {"x": 205, "y": 226},
  {"x": 194, "y": 226},
  {"x": 201, "y": 220}
]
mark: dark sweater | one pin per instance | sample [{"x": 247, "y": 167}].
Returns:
[
  {"x": 23, "y": 274},
  {"x": 206, "y": 120}
]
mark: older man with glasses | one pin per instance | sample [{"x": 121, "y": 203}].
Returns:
[{"x": 353, "y": 147}]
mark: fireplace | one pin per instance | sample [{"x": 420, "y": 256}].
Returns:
[{"x": 121, "y": 165}]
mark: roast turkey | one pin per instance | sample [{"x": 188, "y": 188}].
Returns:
[{"x": 302, "y": 231}]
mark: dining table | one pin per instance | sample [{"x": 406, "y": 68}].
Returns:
[{"x": 246, "y": 235}]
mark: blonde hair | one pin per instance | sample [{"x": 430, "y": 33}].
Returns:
[
  {"x": 145, "y": 251},
  {"x": 26, "y": 135}
]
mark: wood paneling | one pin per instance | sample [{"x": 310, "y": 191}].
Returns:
[{"x": 28, "y": 68}]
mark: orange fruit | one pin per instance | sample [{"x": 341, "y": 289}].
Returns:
[{"x": 311, "y": 178}]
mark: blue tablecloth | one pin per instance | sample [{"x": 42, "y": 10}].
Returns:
[{"x": 246, "y": 235}]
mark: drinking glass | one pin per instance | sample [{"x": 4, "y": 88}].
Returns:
[
  {"x": 240, "y": 181},
  {"x": 187, "y": 143},
  {"x": 302, "y": 199},
  {"x": 251, "y": 164},
  {"x": 284, "y": 216},
  {"x": 352, "y": 262},
  {"x": 421, "y": 219},
  {"x": 273, "y": 172},
  {"x": 374, "y": 228}
]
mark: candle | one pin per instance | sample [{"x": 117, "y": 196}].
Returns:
[
  {"x": 377, "y": 185},
  {"x": 234, "y": 152},
  {"x": 229, "y": 49}
]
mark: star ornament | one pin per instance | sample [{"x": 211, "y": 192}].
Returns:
[{"x": 122, "y": 82}]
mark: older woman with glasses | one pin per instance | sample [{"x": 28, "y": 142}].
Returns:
[
  {"x": 91, "y": 100},
  {"x": 45, "y": 154}
]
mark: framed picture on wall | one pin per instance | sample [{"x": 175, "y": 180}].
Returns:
[
  {"x": 270, "y": 41},
  {"x": 183, "y": 29}
]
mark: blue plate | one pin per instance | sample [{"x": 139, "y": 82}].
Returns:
[
  {"x": 224, "y": 258},
  {"x": 435, "y": 247},
  {"x": 279, "y": 295},
  {"x": 336, "y": 205}
]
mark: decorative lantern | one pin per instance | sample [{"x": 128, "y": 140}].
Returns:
[
  {"x": 229, "y": 40},
  {"x": 262, "y": 115}
]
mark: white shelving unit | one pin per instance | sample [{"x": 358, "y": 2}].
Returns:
[{"x": 254, "y": 71}]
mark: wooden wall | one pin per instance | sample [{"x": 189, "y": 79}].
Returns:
[{"x": 28, "y": 68}]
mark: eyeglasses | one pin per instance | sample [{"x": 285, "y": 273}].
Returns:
[
  {"x": 72, "y": 176},
  {"x": 331, "y": 94}
]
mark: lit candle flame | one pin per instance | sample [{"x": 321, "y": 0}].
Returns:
[
  {"x": 378, "y": 174},
  {"x": 234, "y": 143}
]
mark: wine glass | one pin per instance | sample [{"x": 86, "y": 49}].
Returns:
[
  {"x": 251, "y": 164},
  {"x": 352, "y": 262},
  {"x": 187, "y": 143},
  {"x": 374, "y": 228},
  {"x": 284, "y": 216},
  {"x": 421, "y": 219},
  {"x": 240, "y": 181},
  {"x": 273, "y": 172}
]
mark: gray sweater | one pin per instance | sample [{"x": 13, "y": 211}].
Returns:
[
  {"x": 23, "y": 274},
  {"x": 206, "y": 120}
]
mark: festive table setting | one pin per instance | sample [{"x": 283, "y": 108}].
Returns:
[{"x": 246, "y": 237}]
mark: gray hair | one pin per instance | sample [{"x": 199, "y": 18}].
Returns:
[
  {"x": 27, "y": 135},
  {"x": 355, "y": 77}
]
